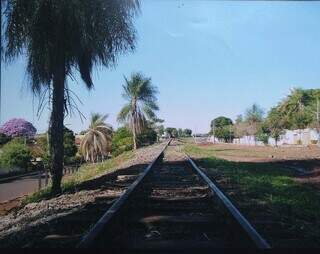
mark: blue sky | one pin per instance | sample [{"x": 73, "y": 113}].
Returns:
[{"x": 207, "y": 59}]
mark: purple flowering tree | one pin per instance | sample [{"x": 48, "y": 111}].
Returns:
[{"x": 18, "y": 127}]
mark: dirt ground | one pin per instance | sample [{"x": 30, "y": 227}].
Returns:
[
  {"x": 303, "y": 159},
  {"x": 264, "y": 153}
]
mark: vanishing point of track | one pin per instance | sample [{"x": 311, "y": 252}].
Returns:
[{"x": 172, "y": 207}]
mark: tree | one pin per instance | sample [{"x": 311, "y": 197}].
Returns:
[
  {"x": 141, "y": 105},
  {"x": 263, "y": 132},
  {"x": 180, "y": 132},
  {"x": 222, "y": 128},
  {"x": 254, "y": 114},
  {"x": 241, "y": 129},
  {"x": 254, "y": 118},
  {"x": 220, "y": 121},
  {"x": 160, "y": 130},
  {"x": 187, "y": 132},
  {"x": 157, "y": 126},
  {"x": 96, "y": 143},
  {"x": 59, "y": 37},
  {"x": 148, "y": 136},
  {"x": 18, "y": 127},
  {"x": 275, "y": 126},
  {"x": 239, "y": 119},
  {"x": 172, "y": 132},
  {"x": 296, "y": 108},
  {"x": 69, "y": 145}
]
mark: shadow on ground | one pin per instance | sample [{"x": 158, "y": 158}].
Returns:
[{"x": 65, "y": 228}]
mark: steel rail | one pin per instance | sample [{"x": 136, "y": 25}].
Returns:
[
  {"x": 103, "y": 222},
  {"x": 260, "y": 242}
]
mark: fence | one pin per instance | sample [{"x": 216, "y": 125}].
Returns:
[
  {"x": 289, "y": 137},
  {"x": 44, "y": 175}
]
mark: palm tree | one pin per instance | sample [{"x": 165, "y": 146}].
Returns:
[
  {"x": 141, "y": 104},
  {"x": 59, "y": 37},
  {"x": 97, "y": 140}
]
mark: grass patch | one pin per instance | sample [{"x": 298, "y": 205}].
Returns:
[
  {"x": 267, "y": 190},
  {"x": 85, "y": 173}
]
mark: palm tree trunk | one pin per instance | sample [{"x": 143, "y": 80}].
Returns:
[
  {"x": 134, "y": 138},
  {"x": 134, "y": 106},
  {"x": 56, "y": 129}
]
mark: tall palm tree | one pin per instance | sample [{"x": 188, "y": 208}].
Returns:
[
  {"x": 141, "y": 105},
  {"x": 97, "y": 140},
  {"x": 59, "y": 37}
]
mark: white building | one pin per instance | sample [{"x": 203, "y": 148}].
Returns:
[
  {"x": 290, "y": 137},
  {"x": 297, "y": 137},
  {"x": 248, "y": 140}
]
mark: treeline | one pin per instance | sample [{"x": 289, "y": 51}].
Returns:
[
  {"x": 299, "y": 110},
  {"x": 176, "y": 133}
]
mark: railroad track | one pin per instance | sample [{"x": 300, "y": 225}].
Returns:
[{"x": 172, "y": 207}]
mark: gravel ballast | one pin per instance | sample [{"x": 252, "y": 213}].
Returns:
[{"x": 26, "y": 226}]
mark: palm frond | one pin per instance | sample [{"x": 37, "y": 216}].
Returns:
[{"x": 124, "y": 114}]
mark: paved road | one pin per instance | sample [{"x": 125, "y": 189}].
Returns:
[{"x": 18, "y": 187}]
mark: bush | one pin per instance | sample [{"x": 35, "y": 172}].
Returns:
[
  {"x": 70, "y": 148},
  {"x": 15, "y": 154},
  {"x": 147, "y": 137},
  {"x": 74, "y": 160},
  {"x": 122, "y": 141},
  {"x": 264, "y": 137},
  {"x": 69, "y": 145},
  {"x": 4, "y": 139}
]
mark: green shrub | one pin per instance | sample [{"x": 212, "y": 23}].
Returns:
[
  {"x": 70, "y": 148},
  {"x": 73, "y": 160},
  {"x": 314, "y": 142},
  {"x": 4, "y": 139},
  {"x": 69, "y": 145},
  {"x": 264, "y": 137},
  {"x": 147, "y": 137},
  {"x": 15, "y": 154},
  {"x": 122, "y": 141}
]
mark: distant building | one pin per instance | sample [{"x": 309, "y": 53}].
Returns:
[
  {"x": 289, "y": 137},
  {"x": 248, "y": 140},
  {"x": 297, "y": 137}
]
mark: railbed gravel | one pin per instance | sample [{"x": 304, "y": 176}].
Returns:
[{"x": 25, "y": 223}]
